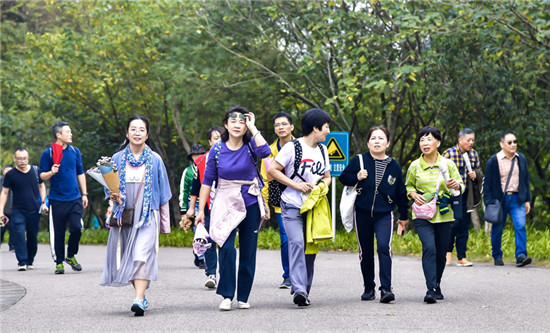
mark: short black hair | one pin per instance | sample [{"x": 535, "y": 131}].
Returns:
[
  {"x": 505, "y": 133},
  {"x": 283, "y": 114},
  {"x": 427, "y": 131},
  {"x": 464, "y": 132},
  {"x": 7, "y": 166},
  {"x": 135, "y": 117},
  {"x": 218, "y": 129},
  {"x": 240, "y": 109},
  {"x": 58, "y": 127},
  {"x": 314, "y": 118},
  {"x": 20, "y": 149}
]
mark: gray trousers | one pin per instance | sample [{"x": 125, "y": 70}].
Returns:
[{"x": 301, "y": 265}]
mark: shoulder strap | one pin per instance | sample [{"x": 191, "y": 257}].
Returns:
[
  {"x": 35, "y": 168},
  {"x": 361, "y": 165},
  {"x": 297, "y": 159},
  {"x": 320, "y": 145},
  {"x": 217, "y": 150},
  {"x": 140, "y": 186},
  {"x": 509, "y": 175},
  {"x": 255, "y": 161}
]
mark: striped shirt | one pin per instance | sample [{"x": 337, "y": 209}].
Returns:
[
  {"x": 504, "y": 165},
  {"x": 422, "y": 177},
  {"x": 455, "y": 155},
  {"x": 380, "y": 167}
]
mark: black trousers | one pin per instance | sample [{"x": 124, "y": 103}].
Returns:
[{"x": 61, "y": 214}]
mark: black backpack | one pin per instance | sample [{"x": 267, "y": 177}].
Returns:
[{"x": 275, "y": 188}]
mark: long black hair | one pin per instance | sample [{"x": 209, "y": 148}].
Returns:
[{"x": 136, "y": 117}]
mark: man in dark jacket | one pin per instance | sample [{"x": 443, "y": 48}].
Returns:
[{"x": 515, "y": 197}]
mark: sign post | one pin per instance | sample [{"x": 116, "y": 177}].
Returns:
[{"x": 338, "y": 153}]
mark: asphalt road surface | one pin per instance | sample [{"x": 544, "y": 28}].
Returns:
[{"x": 482, "y": 298}]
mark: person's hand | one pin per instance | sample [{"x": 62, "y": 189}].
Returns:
[
  {"x": 199, "y": 218},
  {"x": 190, "y": 212},
  {"x": 527, "y": 207},
  {"x": 452, "y": 184},
  {"x": 403, "y": 223},
  {"x": 109, "y": 211},
  {"x": 85, "y": 201},
  {"x": 55, "y": 168},
  {"x": 402, "y": 227},
  {"x": 418, "y": 199},
  {"x": 250, "y": 121},
  {"x": 267, "y": 214},
  {"x": 185, "y": 222},
  {"x": 44, "y": 209},
  {"x": 472, "y": 175},
  {"x": 362, "y": 174},
  {"x": 115, "y": 197},
  {"x": 303, "y": 187}
]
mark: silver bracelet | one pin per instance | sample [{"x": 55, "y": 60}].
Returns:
[{"x": 255, "y": 134}]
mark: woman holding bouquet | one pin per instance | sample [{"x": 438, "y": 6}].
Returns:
[{"x": 132, "y": 250}]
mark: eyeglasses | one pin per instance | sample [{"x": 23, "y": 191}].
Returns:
[
  {"x": 513, "y": 141},
  {"x": 281, "y": 124},
  {"x": 138, "y": 130},
  {"x": 237, "y": 115}
]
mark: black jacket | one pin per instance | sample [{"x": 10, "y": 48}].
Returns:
[
  {"x": 492, "y": 189},
  {"x": 391, "y": 191}
]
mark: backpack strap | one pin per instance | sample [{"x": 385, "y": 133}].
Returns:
[
  {"x": 320, "y": 145},
  {"x": 297, "y": 159},
  {"x": 35, "y": 168}
]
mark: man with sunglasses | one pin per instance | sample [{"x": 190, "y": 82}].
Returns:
[
  {"x": 507, "y": 180},
  {"x": 282, "y": 124}
]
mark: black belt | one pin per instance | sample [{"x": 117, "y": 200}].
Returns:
[{"x": 511, "y": 193}]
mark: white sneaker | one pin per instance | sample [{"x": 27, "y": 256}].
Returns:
[
  {"x": 225, "y": 305},
  {"x": 22, "y": 268},
  {"x": 30, "y": 267},
  {"x": 244, "y": 305},
  {"x": 211, "y": 282}
]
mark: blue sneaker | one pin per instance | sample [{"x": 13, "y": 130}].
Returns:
[{"x": 139, "y": 306}]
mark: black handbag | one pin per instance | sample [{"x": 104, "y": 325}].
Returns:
[
  {"x": 494, "y": 213},
  {"x": 127, "y": 218}
]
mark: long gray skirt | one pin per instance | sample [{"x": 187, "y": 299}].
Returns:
[{"x": 132, "y": 252}]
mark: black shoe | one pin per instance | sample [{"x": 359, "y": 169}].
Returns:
[
  {"x": 438, "y": 295},
  {"x": 430, "y": 297},
  {"x": 368, "y": 295},
  {"x": 201, "y": 263},
  {"x": 499, "y": 262},
  {"x": 301, "y": 299},
  {"x": 523, "y": 261},
  {"x": 197, "y": 260},
  {"x": 386, "y": 296}
]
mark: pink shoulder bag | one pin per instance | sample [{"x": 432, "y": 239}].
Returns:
[{"x": 428, "y": 210}]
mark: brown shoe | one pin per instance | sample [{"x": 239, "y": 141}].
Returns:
[
  {"x": 464, "y": 263},
  {"x": 449, "y": 258}
]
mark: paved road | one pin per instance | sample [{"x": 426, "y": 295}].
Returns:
[{"x": 483, "y": 298}]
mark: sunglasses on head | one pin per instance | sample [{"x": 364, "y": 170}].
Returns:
[{"x": 237, "y": 115}]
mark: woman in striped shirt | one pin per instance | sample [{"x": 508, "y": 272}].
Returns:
[
  {"x": 423, "y": 175},
  {"x": 380, "y": 188}
]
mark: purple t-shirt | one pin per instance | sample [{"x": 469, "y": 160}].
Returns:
[{"x": 235, "y": 165}]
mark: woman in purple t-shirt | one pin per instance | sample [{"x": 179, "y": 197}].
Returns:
[{"x": 238, "y": 202}]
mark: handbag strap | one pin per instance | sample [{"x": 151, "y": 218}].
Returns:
[
  {"x": 140, "y": 186},
  {"x": 361, "y": 165},
  {"x": 508, "y": 180},
  {"x": 439, "y": 175}
]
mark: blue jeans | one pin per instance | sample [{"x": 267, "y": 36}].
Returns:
[
  {"x": 517, "y": 213},
  {"x": 248, "y": 243},
  {"x": 460, "y": 232},
  {"x": 284, "y": 244},
  {"x": 435, "y": 240},
  {"x": 25, "y": 249}
]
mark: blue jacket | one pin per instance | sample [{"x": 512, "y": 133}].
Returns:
[
  {"x": 492, "y": 188},
  {"x": 391, "y": 191}
]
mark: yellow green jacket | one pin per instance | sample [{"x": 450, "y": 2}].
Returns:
[{"x": 318, "y": 221}]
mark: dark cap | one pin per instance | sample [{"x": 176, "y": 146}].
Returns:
[{"x": 196, "y": 149}]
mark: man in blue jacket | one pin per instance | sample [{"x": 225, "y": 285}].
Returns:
[
  {"x": 515, "y": 198},
  {"x": 67, "y": 202}
]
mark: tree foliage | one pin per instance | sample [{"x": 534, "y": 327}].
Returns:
[{"x": 449, "y": 64}]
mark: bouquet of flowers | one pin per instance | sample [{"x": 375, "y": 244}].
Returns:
[{"x": 105, "y": 173}]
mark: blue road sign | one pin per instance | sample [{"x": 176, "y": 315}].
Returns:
[{"x": 338, "y": 152}]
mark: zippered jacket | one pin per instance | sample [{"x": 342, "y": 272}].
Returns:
[{"x": 390, "y": 193}]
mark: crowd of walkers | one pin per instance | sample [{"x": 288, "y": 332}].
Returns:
[{"x": 232, "y": 187}]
